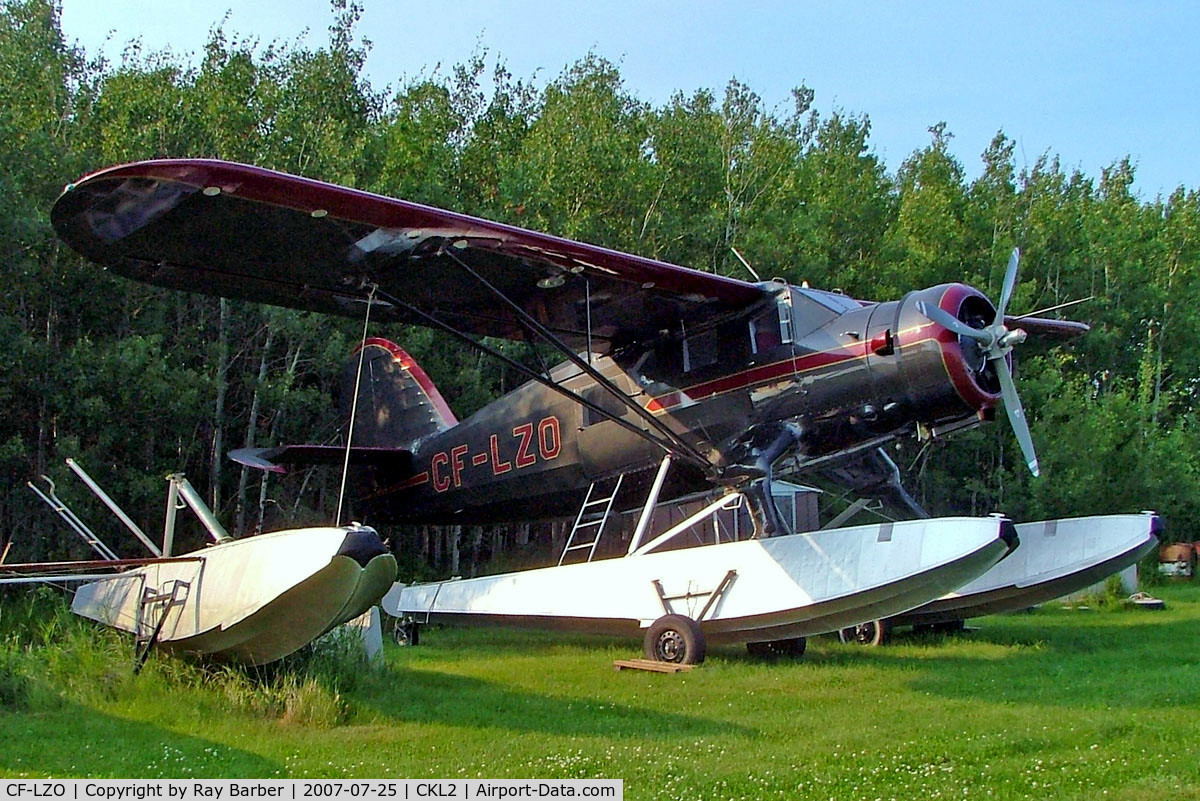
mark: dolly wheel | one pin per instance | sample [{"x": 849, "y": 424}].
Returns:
[
  {"x": 793, "y": 647},
  {"x": 406, "y": 633},
  {"x": 873, "y": 632},
  {"x": 675, "y": 638}
]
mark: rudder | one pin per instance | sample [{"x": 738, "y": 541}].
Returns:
[{"x": 398, "y": 404}]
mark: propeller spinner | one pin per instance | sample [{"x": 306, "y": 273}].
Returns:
[{"x": 995, "y": 341}]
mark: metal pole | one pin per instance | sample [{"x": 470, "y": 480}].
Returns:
[
  {"x": 730, "y": 501},
  {"x": 205, "y": 515},
  {"x": 651, "y": 502},
  {"x": 66, "y": 579},
  {"x": 587, "y": 291},
  {"x": 847, "y": 513},
  {"x": 172, "y": 513},
  {"x": 112, "y": 506},
  {"x": 362, "y": 352},
  {"x": 72, "y": 520}
]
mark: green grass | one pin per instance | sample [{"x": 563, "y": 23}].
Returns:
[{"x": 1052, "y": 704}]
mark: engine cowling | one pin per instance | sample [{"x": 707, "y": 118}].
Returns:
[{"x": 935, "y": 374}]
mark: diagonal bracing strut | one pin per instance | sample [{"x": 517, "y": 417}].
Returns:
[
  {"x": 673, "y": 444},
  {"x": 532, "y": 324}
]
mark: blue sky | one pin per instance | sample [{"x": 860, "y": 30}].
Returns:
[{"x": 1090, "y": 82}]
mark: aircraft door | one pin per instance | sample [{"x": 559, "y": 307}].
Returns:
[{"x": 604, "y": 446}]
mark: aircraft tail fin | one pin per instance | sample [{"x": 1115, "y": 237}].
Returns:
[{"x": 398, "y": 405}]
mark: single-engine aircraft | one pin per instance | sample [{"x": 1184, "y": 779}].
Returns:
[{"x": 728, "y": 378}]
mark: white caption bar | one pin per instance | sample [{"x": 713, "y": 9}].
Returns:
[{"x": 306, "y": 789}]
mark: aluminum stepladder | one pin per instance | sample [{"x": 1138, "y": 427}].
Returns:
[
  {"x": 160, "y": 602},
  {"x": 597, "y": 523}
]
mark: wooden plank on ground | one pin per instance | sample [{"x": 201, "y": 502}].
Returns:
[{"x": 649, "y": 664}]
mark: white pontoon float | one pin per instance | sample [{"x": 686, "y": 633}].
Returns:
[
  {"x": 767, "y": 592},
  {"x": 1056, "y": 558},
  {"x": 251, "y": 600}
]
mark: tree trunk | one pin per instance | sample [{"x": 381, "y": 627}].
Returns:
[
  {"x": 476, "y": 547},
  {"x": 218, "y": 441},
  {"x": 453, "y": 535},
  {"x": 251, "y": 430}
]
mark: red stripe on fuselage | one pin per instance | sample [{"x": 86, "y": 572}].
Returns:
[
  {"x": 417, "y": 480},
  {"x": 760, "y": 375},
  {"x": 798, "y": 364}
]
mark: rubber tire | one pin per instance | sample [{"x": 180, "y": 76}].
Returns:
[
  {"x": 405, "y": 634},
  {"x": 675, "y": 638},
  {"x": 792, "y": 648},
  {"x": 873, "y": 633}
]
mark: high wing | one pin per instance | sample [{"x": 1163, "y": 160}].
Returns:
[{"x": 244, "y": 232}]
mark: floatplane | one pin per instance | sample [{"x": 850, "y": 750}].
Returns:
[{"x": 674, "y": 381}]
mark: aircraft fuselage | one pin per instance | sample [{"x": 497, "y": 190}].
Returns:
[{"x": 837, "y": 372}]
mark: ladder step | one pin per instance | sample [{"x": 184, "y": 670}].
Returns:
[
  {"x": 580, "y": 545},
  {"x": 600, "y": 502}
]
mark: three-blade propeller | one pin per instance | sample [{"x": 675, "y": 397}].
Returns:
[{"x": 995, "y": 341}]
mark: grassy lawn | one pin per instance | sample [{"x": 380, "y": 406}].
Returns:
[{"x": 1052, "y": 704}]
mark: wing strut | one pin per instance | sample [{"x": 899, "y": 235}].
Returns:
[
  {"x": 682, "y": 447},
  {"x": 673, "y": 444}
]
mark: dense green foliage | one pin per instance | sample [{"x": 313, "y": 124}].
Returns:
[
  {"x": 1055, "y": 704},
  {"x": 137, "y": 382}
]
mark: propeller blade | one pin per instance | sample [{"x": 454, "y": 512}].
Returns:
[
  {"x": 1041, "y": 326},
  {"x": 1010, "y": 283},
  {"x": 1016, "y": 414},
  {"x": 948, "y": 320}
]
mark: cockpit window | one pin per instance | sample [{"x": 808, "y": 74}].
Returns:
[
  {"x": 831, "y": 300},
  {"x": 605, "y": 400},
  {"x": 812, "y": 309}
]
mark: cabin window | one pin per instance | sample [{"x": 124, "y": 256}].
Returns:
[
  {"x": 700, "y": 351},
  {"x": 605, "y": 400},
  {"x": 765, "y": 332}
]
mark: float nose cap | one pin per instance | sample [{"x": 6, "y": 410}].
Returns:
[{"x": 362, "y": 544}]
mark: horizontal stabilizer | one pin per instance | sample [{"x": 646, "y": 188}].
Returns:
[{"x": 274, "y": 459}]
